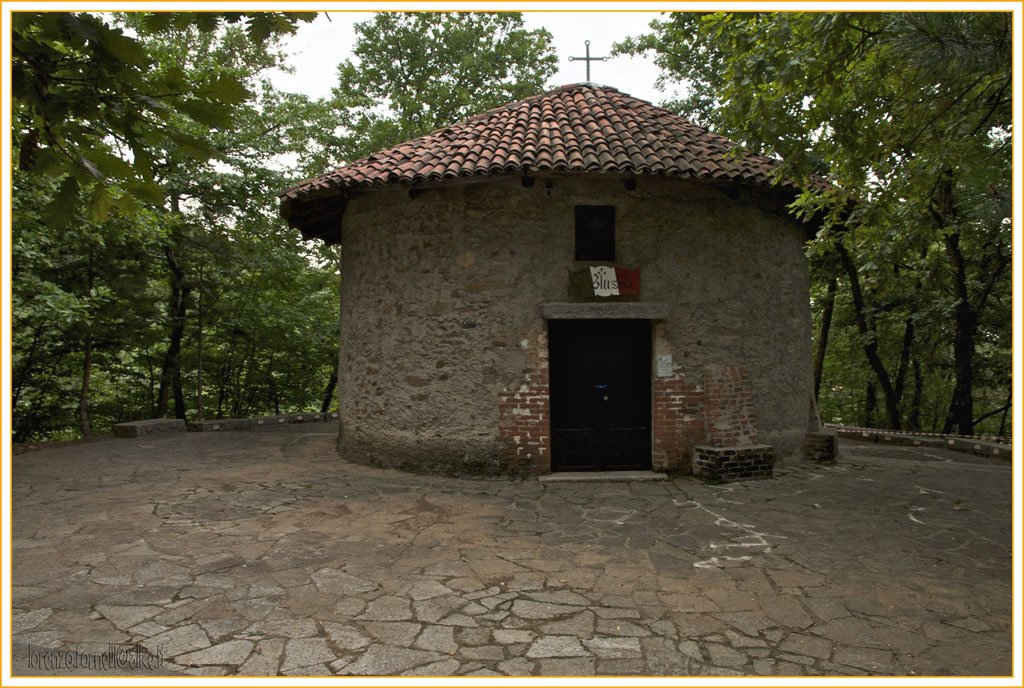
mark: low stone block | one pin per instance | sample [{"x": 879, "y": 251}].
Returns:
[
  {"x": 741, "y": 462},
  {"x": 821, "y": 447},
  {"x": 305, "y": 417},
  {"x": 263, "y": 421},
  {"x": 139, "y": 428},
  {"x": 979, "y": 447},
  {"x": 220, "y": 424},
  {"x": 333, "y": 415}
]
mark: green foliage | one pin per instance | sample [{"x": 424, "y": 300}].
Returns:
[
  {"x": 414, "y": 72},
  {"x": 908, "y": 115},
  {"x": 104, "y": 266},
  {"x": 92, "y": 102}
]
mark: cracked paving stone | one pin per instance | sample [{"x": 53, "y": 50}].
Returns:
[
  {"x": 25, "y": 621},
  {"x": 433, "y": 610},
  {"x": 581, "y": 666},
  {"x": 265, "y": 658},
  {"x": 483, "y": 653},
  {"x": 458, "y": 620},
  {"x": 527, "y": 609},
  {"x": 785, "y": 610},
  {"x": 876, "y": 661},
  {"x": 556, "y": 646},
  {"x": 346, "y": 637},
  {"x": 849, "y": 631},
  {"x": 797, "y": 659},
  {"x": 581, "y": 626},
  {"x": 219, "y": 628},
  {"x": 336, "y": 582},
  {"x": 724, "y": 656},
  {"x": 298, "y": 628},
  {"x": 617, "y": 613},
  {"x": 219, "y": 562},
  {"x": 787, "y": 578},
  {"x": 744, "y": 641},
  {"x": 425, "y": 590},
  {"x": 147, "y": 629},
  {"x": 510, "y": 637},
  {"x": 473, "y": 636},
  {"x": 301, "y": 652},
  {"x": 801, "y": 644},
  {"x": 620, "y": 627},
  {"x": 177, "y": 641},
  {"x": 747, "y": 623},
  {"x": 438, "y": 639},
  {"x": 560, "y": 597},
  {"x": 446, "y": 667},
  {"x": 310, "y": 670},
  {"x": 614, "y": 648},
  {"x": 387, "y": 608},
  {"x": 47, "y": 639},
  {"x": 383, "y": 660},
  {"x": 971, "y": 624},
  {"x": 232, "y": 652},
  {"x": 517, "y": 666},
  {"x": 393, "y": 632},
  {"x": 126, "y": 617}
]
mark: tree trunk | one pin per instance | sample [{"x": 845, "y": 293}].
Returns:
[
  {"x": 329, "y": 393},
  {"x": 24, "y": 371},
  {"x": 199, "y": 350},
  {"x": 826, "y": 325},
  {"x": 904, "y": 365},
  {"x": 1006, "y": 411},
  {"x": 84, "y": 423},
  {"x": 914, "y": 419},
  {"x": 870, "y": 339},
  {"x": 179, "y": 394},
  {"x": 961, "y": 407},
  {"x": 870, "y": 405},
  {"x": 170, "y": 378}
]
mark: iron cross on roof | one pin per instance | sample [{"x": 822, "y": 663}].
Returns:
[{"x": 588, "y": 59}]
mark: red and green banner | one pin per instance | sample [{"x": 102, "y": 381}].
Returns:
[{"x": 604, "y": 283}]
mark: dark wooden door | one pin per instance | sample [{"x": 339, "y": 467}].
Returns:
[{"x": 600, "y": 394}]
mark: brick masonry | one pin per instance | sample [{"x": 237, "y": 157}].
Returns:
[
  {"x": 733, "y": 463},
  {"x": 728, "y": 407},
  {"x": 525, "y": 414},
  {"x": 678, "y": 417},
  {"x": 717, "y": 412}
]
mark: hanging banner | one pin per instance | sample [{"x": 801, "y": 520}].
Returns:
[{"x": 604, "y": 283}]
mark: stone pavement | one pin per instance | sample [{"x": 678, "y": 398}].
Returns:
[{"x": 261, "y": 553}]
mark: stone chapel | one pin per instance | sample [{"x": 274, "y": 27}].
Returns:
[{"x": 577, "y": 281}]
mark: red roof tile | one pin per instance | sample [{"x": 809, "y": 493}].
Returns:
[{"x": 576, "y": 128}]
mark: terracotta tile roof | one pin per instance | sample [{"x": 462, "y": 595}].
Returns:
[{"x": 576, "y": 128}]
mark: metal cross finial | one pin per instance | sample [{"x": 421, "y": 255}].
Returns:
[{"x": 588, "y": 59}]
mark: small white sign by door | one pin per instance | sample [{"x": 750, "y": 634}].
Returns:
[{"x": 665, "y": 365}]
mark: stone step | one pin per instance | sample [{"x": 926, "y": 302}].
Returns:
[{"x": 603, "y": 477}]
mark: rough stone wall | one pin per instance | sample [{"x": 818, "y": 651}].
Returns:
[{"x": 441, "y": 310}]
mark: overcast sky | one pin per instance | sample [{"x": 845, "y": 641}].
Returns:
[{"x": 319, "y": 46}]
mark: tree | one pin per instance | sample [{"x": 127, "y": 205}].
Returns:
[
  {"x": 418, "y": 71},
  {"x": 909, "y": 117},
  {"x": 89, "y": 106},
  {"x": 117, "y": 313}
]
